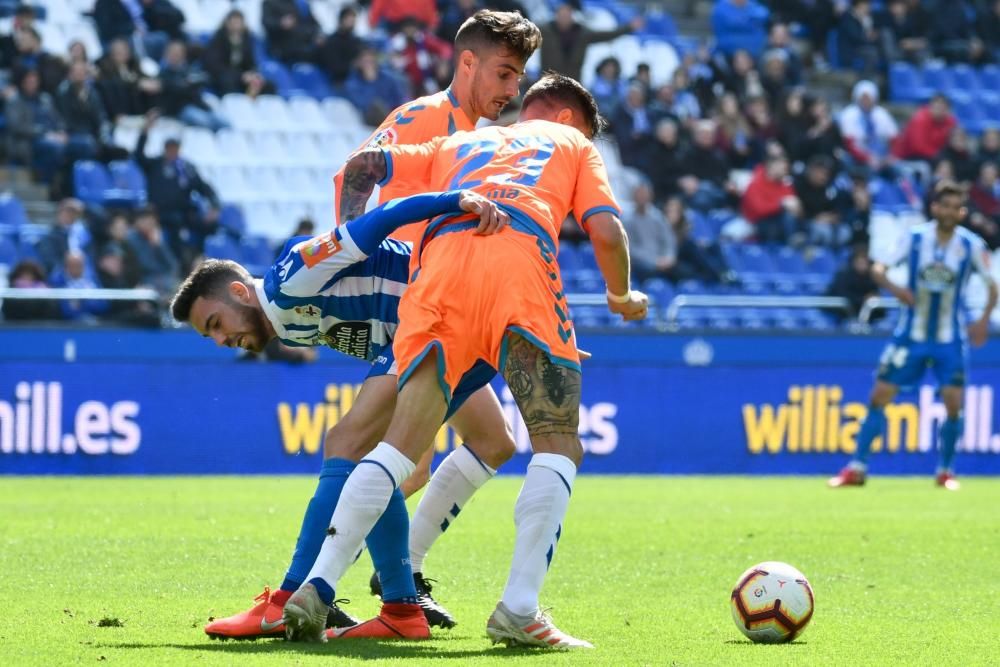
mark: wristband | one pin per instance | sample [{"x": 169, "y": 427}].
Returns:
[{"x": 614, "y": 298}]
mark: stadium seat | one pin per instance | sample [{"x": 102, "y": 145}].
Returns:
[
  {"x": 231, "y": 221},
  {"x": 989, "y": 77},
  {"x": 970, "y": 114},
  {"x": 90, "y": 182},
  {"x": 788, "y": 260},
  {"x": 662, "y": 58},
  {"x": 311, "y": 79},
  {"x": 220, "y": 246},
  {"x": 660, "y": 23},
  {"x": 341, "y": 113},
  {"x": 904, "y": 83},
  {"x": 198, "y": 146},
  {"x": 307, "y": 114},
  {"x": 242, "y": 112},
  {"x": 310, "y": 152},
  {"x": 128, "y": 184},
  {"x": 272, "y": 150},
  {"x": 12, "y": 211},
  {"x": 964, "y": 78},
  {"x": 257, "y": 254},
  {"x": 275, "y": 110},
  {"x": 599, "y": 18},
  {"x": 660, "y": 291},
  {"x": 278, "y": 74},
  {"x": 234, "y": 148},
  {"x": 938, "y": 78}
]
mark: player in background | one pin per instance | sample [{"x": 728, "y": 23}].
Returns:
[
  {"x": 931, "y": 333},
  {"x": 491, "y": 49},
  {"x": 339, "y": 289},
  {"x": 475, "y": 307}
]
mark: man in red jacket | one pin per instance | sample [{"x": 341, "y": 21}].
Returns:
[
  {"x": 769, "y": 202},
  {"x": 927, "y": 132}
]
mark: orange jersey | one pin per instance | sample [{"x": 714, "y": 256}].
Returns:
[
  {"x": 416, "y": 122},
  {"x": 540, "y": 169}
]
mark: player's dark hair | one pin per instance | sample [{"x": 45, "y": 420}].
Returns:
[
  {"x": 556, "y": 89},
  {"x": 491, "y": 29},
  {"x": 210, "y": 278},
  {"x": 948, "y": 189}
]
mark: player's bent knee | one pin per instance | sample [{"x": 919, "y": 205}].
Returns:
[{"x": 349, "y": 439}]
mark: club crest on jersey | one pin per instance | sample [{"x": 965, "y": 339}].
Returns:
[
  {"x": 315, "y": 250},
  {"x": 385, "y": 137}
]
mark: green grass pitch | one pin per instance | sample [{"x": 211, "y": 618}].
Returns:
[{"x": 904, "y": 573}]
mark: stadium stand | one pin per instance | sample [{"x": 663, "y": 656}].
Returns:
[{"x": 272, "y": 166}]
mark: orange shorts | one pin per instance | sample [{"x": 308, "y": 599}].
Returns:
[{"x": 469, "y": 292}]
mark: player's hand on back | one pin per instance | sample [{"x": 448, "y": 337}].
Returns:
[
  {"x": 979, "y": 331},
  {"x": 636, "y": 308},
  {"x": 492, "y": 218}
]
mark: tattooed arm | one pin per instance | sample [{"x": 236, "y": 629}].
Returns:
[{"x": 365, "y": 168}]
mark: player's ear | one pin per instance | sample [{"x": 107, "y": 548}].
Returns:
[
  {"x": 467, "y": 60},
  {"x": 565, "y": 116},
  {"x": 240, "y": 292}
]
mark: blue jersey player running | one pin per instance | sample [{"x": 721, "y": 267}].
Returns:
[
  {"x": 931, "y": 333},
  {"x": 341, "y": 289}
]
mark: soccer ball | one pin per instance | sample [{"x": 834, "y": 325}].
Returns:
[{"x": 772, "y": 602}]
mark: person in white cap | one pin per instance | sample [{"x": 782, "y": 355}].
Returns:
[{"x": 868, "y": 128}]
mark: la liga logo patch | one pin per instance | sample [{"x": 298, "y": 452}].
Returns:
[
  {"x": 316, "y": 249},
  {"x": 382, "y": 138}
]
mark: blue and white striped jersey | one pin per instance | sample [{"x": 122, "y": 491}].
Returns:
[
  {"x": 325, "y": 291},
  {"x": 938, "y": 276}
]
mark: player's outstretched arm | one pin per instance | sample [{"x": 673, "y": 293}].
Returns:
[
  {"x": 363, "y": 171},
  {"x": 611, "y": 252},
  {"x": 369, "y": 230}
]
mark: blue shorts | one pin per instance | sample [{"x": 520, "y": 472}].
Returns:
[
  {"x": 477, "y": 378},
  {"x": 904, "y": 362}
]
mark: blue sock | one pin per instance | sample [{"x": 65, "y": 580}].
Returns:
[
  {"x": 872, "y": 427},
  {"x": 389, "y": 545},
  {"x": 324, "y": 589},
  {"x": 950, "y": 431},
  {"x": 332, "y": 478}
]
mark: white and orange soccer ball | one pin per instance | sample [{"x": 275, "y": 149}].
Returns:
[{"x": 772, "y": 602}]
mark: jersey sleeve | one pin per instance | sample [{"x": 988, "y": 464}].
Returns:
[
  {"x": 415, "y": 162},
  {"x": 309, "y": 265},
  {"x": 593, "y": 191}
]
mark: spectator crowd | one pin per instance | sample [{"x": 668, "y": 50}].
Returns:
[{"x": 733, "y": 133}]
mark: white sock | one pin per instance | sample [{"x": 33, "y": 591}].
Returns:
[
  {"x": 538, "y": 515},
  {"x": 362, "y": 501},
  {"x": 451, "y": 486}
]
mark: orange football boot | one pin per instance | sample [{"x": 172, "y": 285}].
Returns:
[
  {"x": 394, "y": 621},
  {"x": 263, "y": 620}
]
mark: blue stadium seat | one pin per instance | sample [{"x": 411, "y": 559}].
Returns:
[
  {"x": 128, "y": 184},
  {"x": 989, "y": 77},
  {"x": 231, "y": 221},
  {"x": 693, "y": 287},
  {"x": 788, "y": 260},
  {"x": 588, "y": 316},
  {"x": 220, "y": 246},
  {"x": 970, "y": 114},
  {"x": 820, "y": 260},
  {"x": 904, "y": 83},
  {"x": 257, "y": 254},
  {"x": 569, "y": 259},
  {"x": 691, "y": 318},
  {"x": 12, "y": 211},
  {"x": 815, "y": 284},
  {"x": 91, "y": 182},
  {"x": 989, "y": 102},
  {"x": 702, "y": 228},
  {"x": 786, "y": 319},
  {"x": 938, "y": 78},
  {"x": 964, "y": 78},
  {"x": 659, "y": 290},
  {"x": 278, "y": 74},
  {"x": 311, "y": 79}
]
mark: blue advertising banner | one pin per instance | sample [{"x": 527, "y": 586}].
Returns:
[{"x": 651, "y": 404}]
